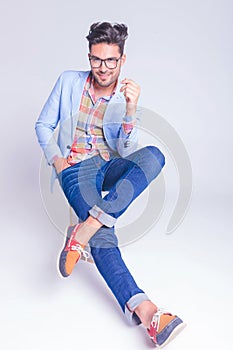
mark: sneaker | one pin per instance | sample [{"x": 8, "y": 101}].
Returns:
[
  {"x": 164, "y": 327},
  {"x": 71, "y": 253}
]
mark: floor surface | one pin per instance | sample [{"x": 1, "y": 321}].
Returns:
[{"x": 188, "y": 273}]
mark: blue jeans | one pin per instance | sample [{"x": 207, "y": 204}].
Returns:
[{"x": 124, "y": 179}]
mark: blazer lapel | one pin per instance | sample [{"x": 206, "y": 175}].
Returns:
[{"x": 77, "y": 91}]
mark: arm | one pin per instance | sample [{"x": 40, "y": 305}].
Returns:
[
  {"x": 131, "y": 92},
  {"x": 128, "y": 133},
  {"x": 47, "y": 123}
]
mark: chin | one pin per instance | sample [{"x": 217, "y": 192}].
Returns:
[{"x": 104, "y": 83}]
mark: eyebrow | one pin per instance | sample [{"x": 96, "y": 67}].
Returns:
[{"x": 103, "y": 59}]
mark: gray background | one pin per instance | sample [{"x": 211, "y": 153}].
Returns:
[{"x": 180, "y": 52}]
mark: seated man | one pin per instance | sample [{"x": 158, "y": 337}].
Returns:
[{"x": 97, "y": 151}]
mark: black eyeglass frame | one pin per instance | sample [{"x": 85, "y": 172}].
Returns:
[{"x": 105, "y": 61}]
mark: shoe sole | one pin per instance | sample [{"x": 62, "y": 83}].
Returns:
[
  {"x": 173, "y": 334},
  {"x": 58, "y": 263}
]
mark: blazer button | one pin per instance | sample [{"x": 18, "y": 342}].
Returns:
[{"x": 68, "y": 147}]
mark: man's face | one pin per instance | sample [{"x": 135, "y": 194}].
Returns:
[{"x": 104, "y": 76}]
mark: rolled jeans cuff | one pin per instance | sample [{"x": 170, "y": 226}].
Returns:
[
  {"x": 101, "y": 216},
  {"x": 131, "y": 305}
]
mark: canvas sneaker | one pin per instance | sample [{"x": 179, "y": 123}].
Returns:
[
  {"x": 164, "y": 327},
  {"x": 71, "y": 253}
]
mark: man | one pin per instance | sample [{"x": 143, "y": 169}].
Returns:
[{"x": 96, "y": 151}]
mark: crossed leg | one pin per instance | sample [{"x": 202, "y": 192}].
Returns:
[{"x": 124, "y": 179}]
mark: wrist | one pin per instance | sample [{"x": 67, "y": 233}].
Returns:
[
  {"x": 54, "y": 160},
  {"x": 131, "y": 109}
]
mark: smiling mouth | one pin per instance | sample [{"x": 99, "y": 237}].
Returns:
[{"x": 103, "y": 76}]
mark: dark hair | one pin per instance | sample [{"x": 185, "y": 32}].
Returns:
[{"x": 106, "y": 32}]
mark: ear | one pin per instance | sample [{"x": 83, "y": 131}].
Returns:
[{"x": 123, "y": 59}]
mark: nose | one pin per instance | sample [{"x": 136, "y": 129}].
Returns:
[{"x": 103, "y": 67}]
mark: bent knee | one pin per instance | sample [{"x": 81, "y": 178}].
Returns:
[{"x": 158, "y": 155}]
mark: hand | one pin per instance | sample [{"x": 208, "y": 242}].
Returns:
[
  {"x": 60, "y": 164},
  {"x": 131, "y": 92}
]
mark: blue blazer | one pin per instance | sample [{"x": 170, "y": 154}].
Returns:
[{"x": 62, "y": 107}]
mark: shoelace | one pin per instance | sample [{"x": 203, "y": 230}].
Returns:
[
  {"x": 80, "y": 249},
  {"x": 154, "y": 325},
  {"x": 76, "y": 246},
  {"x": 156, "y": 319}
]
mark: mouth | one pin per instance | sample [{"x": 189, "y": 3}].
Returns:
[{"x": 103, "y": 76}]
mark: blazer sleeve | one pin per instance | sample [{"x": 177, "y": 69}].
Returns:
[
  {"x": 47, "y": 123},
  {"x": 128, "y": 143}
]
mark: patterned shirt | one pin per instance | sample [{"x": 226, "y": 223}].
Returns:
[{"x": 89, "y": 137}]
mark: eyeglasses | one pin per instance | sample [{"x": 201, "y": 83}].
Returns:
[{"x": 110, "y": 63}]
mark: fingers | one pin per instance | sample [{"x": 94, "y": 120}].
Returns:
[
  {"x": 128, "y": 83},
  {"x": 60, "y": 164},
  {"x": 131, "y": 90}
]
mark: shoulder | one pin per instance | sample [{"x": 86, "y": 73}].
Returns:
[{"x": 69, "y": 77}]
